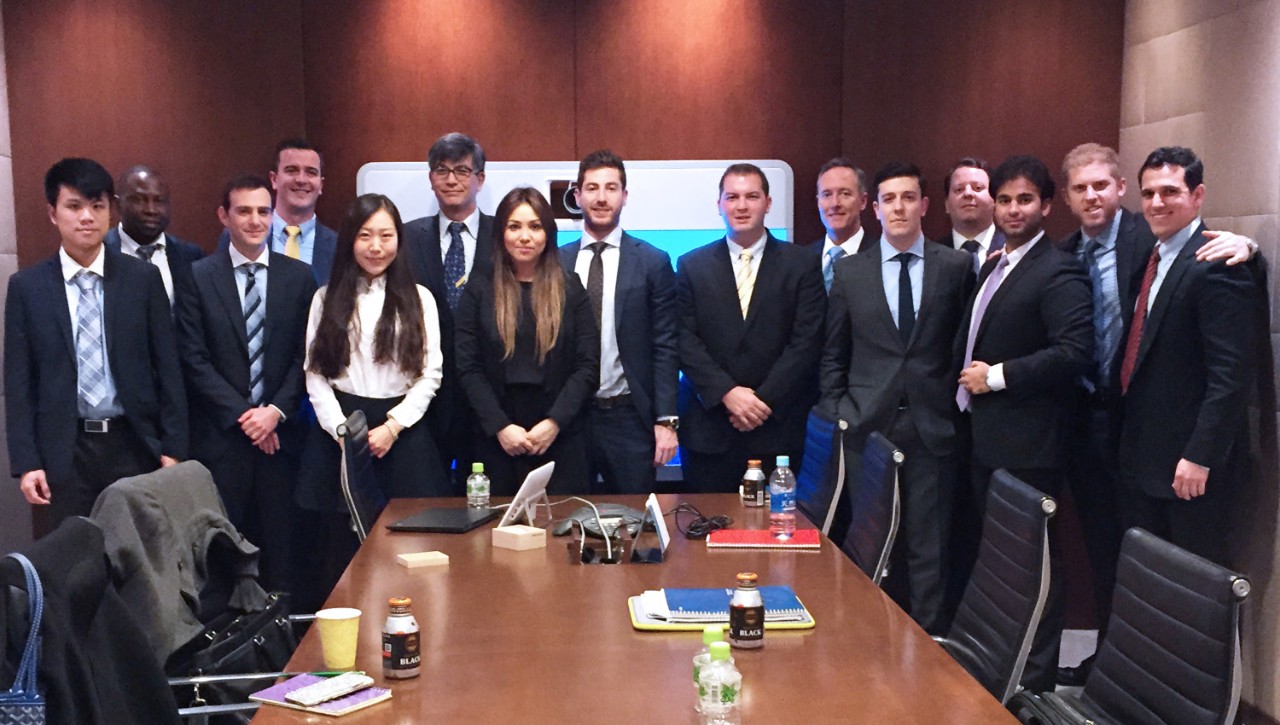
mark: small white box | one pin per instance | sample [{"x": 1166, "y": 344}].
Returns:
[
  {"x": 420, "y": 559},
  {"x": 519, "y": 537}
]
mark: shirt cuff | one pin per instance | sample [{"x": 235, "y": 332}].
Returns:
[
  {"x": 995, "y": 377},
  {"x": 274, "y": 407}
]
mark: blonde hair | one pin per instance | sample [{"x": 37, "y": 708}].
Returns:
[{"x": 1087, "y": 153}]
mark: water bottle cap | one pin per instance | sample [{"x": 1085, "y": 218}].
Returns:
[
  {"x": 477, "y": 468},
  {"x": 784, "y": 461},
  {"x": 719, "y": 651},
  {"x": 712, "y": 633}
]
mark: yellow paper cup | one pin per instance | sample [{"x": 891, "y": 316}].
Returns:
[{"x": 339, "y": 629}]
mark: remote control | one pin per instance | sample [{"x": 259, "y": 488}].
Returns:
[{"x": 329, "y": 689}]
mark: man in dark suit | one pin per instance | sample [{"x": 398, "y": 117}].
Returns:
[
  {"x": 751, "y": 314},
  {"x": 144, "y": 216},
  {"x": 971, "y": 209},
  {"x": 1114, "y": 245},
  {"x": 241, "y": 325},
  {"x": 93, "y": 391},
  {"x": 632, "y": 422},
  {"x": 1025, "y": 339},
  {"x": 447, "y": 249},
  {"x": 298, "y": 180},
  {"x": 842, "y": 195},
  {"x": 888, "y": 367},
  {"x": 1186, "y": 369}
]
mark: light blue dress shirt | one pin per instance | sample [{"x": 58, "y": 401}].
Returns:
[
  {"x": 891, "y": 269},
  {"x": 306, "y": 241}
]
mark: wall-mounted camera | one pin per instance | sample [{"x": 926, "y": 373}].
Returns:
[{"x": 563, "y": 203}]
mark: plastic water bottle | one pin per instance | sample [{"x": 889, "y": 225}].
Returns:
[
  {"x": 720, "y": 688},
  {"x": 782, "y": 502},
  {"x": 478, "y": 487},
  {"x": 710, "y": 634}
]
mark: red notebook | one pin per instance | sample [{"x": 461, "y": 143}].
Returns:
[{"x": 762, "y": 539}]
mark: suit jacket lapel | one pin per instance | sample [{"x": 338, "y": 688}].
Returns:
[
  {"x": 113, "y": 288},
  {"x": 224, "y": 285},
  {"x": 1168, "y": 287},
  {"x": 767, "y": 278},
  {"x": 929, "y": 283},
  {"x": 57, "y": 290},
  {"x": 869, "y": 276},
  {"x": 624, "y": 285},
  {"x": 1011, "y": 280}
]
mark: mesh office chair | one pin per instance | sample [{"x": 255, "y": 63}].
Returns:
[
  {"x": 875, "y": 508},
  {"x": 359, "y": 487},
  {"x": 820, "y": 481},
  {"x": 1002, "y": 605},
  {"x": 1172, "y": 651}
]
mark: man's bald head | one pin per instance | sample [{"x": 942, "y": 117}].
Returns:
[{"x": 144, "y": 203}]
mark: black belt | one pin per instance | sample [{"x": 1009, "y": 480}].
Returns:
[
  {"x": 89, "y": 425},
  {"x": 613, "y": 402}
]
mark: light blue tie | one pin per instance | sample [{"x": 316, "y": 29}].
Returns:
[
  {"x": 254, "y": 315},
  {"x": 829, "y": 274},
  {"x": 1106, "y": 307},
  {"x": 91, "y": 363}
]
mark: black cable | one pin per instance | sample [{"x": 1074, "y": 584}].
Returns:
[{"x": 698, "y": 526}]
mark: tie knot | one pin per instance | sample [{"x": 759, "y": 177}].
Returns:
[
  {"x": 145, "y": 251},
  {"x": 597, "y": 247},
  {"x": 971, "y": 246},
  {"x": 455, "y": 228},
  {"x": 251, "y": 269},
  {"x": 903, "y": 257},
  {"x": 87, "y": 281},
  {"x": 835, "y": 252},
  {"x": 293, "y": 230},
  {"x": 744, "y": 256}
]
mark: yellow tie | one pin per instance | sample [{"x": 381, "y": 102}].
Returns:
[
  {"x": 292, "y": 249},
  {"x": 746, "y": 282}
]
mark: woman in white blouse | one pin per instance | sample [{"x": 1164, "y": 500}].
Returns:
[{"x": 373, "y": 344}]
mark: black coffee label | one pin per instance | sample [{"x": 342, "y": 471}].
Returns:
[
  {"x": 400, "y": 651},
  {"x": 746, "y": 624}
]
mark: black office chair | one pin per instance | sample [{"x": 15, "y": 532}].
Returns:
[
  {"x": 875, "y": 508},
  {"x": 1172, "y": 651},
  {"x": 992, "y": 632},
  {"x": 359, "y": 487},
  {"x": 820, "y": 481}
]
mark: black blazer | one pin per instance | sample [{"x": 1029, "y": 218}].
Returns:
[
  {"x": 645, "y": 322},
  {"x": 422, "y": 237},
  {"x": 867, "y": 372},
  {"x": 572, "y": 366},
  {"x": 40, "y": 363},
  {"x": 326, "y": 245},
  {"x": 1040, "y": 325},
  {"x": 1188, "y": 394},
  {"x": 774, "y": 350},
  {"x": 1134, "y": 242},
  {"x": 181, "y": 255},
  {"x": 215, "y": 353}
]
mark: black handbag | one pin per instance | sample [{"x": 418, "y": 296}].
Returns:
[{"x": 23, "y": 704}]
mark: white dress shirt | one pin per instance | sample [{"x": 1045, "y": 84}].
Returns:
[
  {"x": 110, "y": 406},
  {"x": 757, "y": 252},
  {"x": 995, "y": 374},
  {"x": 160, "y": 258},
  {"x": 612, "y": 381},
  {"x": 471, "y": 229},
  {"x": 369, "y": 379},
  {"x": 983, "y": 239}
]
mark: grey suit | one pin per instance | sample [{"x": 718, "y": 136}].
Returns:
[{"x": 875, "y": 383}]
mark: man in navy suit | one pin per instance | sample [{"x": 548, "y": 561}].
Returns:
[
  {"x": 632, "y": 423},
  {"x": 446, "y": 250},
  {"x": 751, "y": 311},
  {"x": 1186, "y": 369},
  {"x": 298, "y": 180},
  {"x": 241, "y": 325},
  {"x": 144, "y": 216},
  {"x": 842, "y": 197},
  {"x": 93, "y": 390},
  {"x": 888, "y": 367}
]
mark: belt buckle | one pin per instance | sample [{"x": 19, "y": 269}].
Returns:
[{"x": 97, "y": 426}]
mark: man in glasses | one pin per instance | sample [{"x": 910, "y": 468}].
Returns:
[{"x": 446, "y": 249}]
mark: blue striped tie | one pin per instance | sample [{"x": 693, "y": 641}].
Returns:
[
  {"x": 829, "y": 274},
  {"x": 1106, "y": 308},
  {"x": 254, "y": 314},
  {"x": 91, "y": 364}
]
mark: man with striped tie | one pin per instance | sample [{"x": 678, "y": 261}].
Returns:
[
  {"x": 93, "y": 391},
  {"x": 241, "y": 328},
  {"x": 751, "y": 309},
  {"x": 842, "y": 197}
]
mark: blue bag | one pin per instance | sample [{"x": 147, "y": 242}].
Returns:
[{"x": 22, "y": 704}]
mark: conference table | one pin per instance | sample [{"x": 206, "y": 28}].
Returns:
[{"x": 528, "y": 636}]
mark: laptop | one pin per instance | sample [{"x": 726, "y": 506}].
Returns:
[{"x": 445, "y": 521}]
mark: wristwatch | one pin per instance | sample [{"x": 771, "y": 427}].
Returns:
[{"x": 673, "y": 423}]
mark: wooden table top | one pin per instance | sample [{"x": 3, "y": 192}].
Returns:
[{"x": 524, "y": 636}]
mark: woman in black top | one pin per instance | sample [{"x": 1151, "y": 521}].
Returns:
[{"x": 528, "y": 348}]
